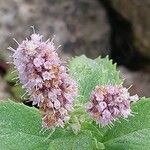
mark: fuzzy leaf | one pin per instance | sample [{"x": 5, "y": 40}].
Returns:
[
  {"x": 11, "y": 76},
  {"x": 133, "y": 134},
  {"x": 70, "y": 141},
  {"x": 18, "y": 93},
  {"x": 20, "y": 128},
  {"x": 16, "y": 90},
  {"x": 89, "y": 73}
]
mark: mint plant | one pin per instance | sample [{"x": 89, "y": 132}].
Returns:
[{"x": 102, "y": 115}]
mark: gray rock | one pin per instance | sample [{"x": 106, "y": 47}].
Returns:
[
  {"x": 80, "y": 26},
  {"x": 137, "y": 12},
  {"x": 139, "y": 80}
]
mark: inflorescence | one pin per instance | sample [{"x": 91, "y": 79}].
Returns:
[
  {"x": 46, "y": 80},
  {"x": 109, "y": 103}
]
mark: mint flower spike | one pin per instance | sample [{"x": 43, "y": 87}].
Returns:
[
  {"x": 109, "y": 103},
  {"x": 46, "y": 80}
]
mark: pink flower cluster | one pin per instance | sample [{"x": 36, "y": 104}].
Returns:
[
  {"x": 109, "y": 103},
  {"x": 45, "y": 78}
]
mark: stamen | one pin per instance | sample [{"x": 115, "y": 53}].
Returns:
[
  {"x": 52, "y": 38},
  {"x": 33, "y": 28},
  {"x": 11, "y": 49},
  {"x": 16, "y": 41}
]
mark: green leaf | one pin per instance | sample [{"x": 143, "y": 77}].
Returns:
[
  {"x": 20, "y": 128},
  {"x": 16, "y": 90},
  {"x": 91, "y": 126},
  {"x": 133, "y": 134},
  {"x": 89, "y": 73},
  {"x": 70, "y": 141},
  {"x": 18, "y": 93},
  {"x": 11, "y": 76},
  {"x": 96, "y": 133}
]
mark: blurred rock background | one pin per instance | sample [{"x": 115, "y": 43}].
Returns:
[{"x": 92, "y": 27}]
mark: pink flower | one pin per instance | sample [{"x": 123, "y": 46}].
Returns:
[
  {"x": 47, "y": 65},
  {"x": 31, "y": 48},
  {"x": 108, "y": 103},
  {"x": 38, "y": 62},
  {"x": 36, "y": 37},
  {"x": 46, "y": 79},
  {"x": 48, "y": 75}
]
